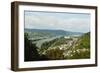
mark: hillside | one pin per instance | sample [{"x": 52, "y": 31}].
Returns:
[
  {"x": 71, "y": 48},
  {"x": 80, "y": 49},
  {"x": 84, "y": 41},
  {"x": 48, "y": 46}
]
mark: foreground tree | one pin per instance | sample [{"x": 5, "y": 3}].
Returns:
[{"x": 31, "y": 53}]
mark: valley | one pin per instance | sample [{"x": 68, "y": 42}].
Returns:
[{"x": 59, "y": 44}]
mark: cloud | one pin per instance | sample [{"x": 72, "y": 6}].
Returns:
[{"x": 68, "y": 22}]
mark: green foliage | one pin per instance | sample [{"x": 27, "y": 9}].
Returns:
[
  {"x": 79, "y": 55},
  {"x": 55, "y": 54},
  {"x": 59, "y": 41},
  {"x": 31, "y": 52},
  {"x": 84, "y": 41},
  {"x": 46, "y": 45},
  {"x": 55, "y": 42},
  {"x": 82, "y": 49}
]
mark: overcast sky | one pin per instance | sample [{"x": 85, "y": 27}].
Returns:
[{"x": 59, "y": 21}]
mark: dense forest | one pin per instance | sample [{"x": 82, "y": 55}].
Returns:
[{"x": 57, "y": 49}]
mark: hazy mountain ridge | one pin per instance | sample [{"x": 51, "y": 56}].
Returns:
[{"x": 54, "y": 32}]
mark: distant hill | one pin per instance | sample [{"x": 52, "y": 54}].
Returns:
[{"x": 53, "y": 32}]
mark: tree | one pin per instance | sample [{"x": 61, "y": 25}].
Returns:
[
  {"x": 55, "y": 54},
  {"x": 31, "y": 53}
]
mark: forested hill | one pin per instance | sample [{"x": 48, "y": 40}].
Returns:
[
  {"x": 82, "y": 47},
  {"x": 84, "y": 41}
]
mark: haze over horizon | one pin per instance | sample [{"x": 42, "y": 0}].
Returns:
[
  {"x": 57, "y": 29},
  {"x": 74, "y": 22}
]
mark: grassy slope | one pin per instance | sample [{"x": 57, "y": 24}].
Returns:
[{"x": 82, "y": 49}]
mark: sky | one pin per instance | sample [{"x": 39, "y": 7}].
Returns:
[{"x": 76, "y": 22}]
